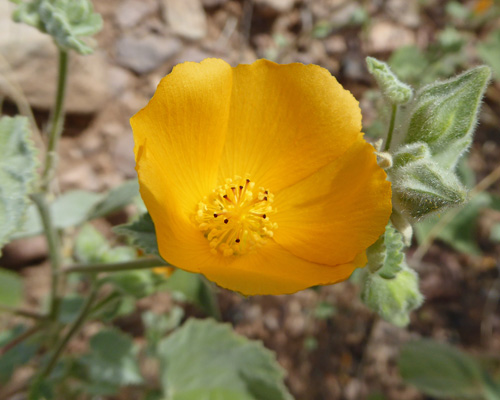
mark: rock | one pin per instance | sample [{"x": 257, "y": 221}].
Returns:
[
  {"x": 405, "y": 12},
  {"x": 387, "y": 37},
  {"x": 32, "y": 64},
  {"x": 143, "y": 55},
  {"x": 123, "y": 154},
  {"x": 185, "y": 18},
  {"x": 335, "y": 45},
  {"x": 274, "y": 6},
  {"x": 130, "y": 12},
  {"x": 25, "y": 251}
]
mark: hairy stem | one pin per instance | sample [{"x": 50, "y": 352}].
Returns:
[
  {"x": 56, "y": 122},
  {"x": 141, "y": 263},
  {"x": 391, "y": 127},
  {"x": 54, "y": 251}
]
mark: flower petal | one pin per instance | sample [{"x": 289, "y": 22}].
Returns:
[
  {"x": 286, "y": 122},
  {"x": 337, "y": 212},
  {"x": 273, "y": 270},
  {"x": 184, "y": 127}
]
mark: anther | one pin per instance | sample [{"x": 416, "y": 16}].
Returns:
[
  {"x": 237, "y": 240},
  {"x": 226, "y": 221},
  {"x": 264, "y": 216}
]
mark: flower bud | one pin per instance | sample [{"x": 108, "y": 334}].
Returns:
[
  {"x": 393, "y": 89},
  {"x": 393, "y": 299}
]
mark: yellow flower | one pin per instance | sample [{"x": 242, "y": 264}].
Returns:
[{"x": 258, "y": 176}]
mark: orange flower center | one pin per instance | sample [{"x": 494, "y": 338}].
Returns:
[{"x": 235, "y": 217}]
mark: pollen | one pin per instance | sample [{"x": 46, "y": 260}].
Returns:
[{"x": 235, "y": 217}]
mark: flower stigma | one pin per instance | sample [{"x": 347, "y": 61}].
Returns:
[{"x": 235, "y": 217}]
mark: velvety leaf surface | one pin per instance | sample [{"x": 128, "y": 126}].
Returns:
[{"x": 204, "y": 356}]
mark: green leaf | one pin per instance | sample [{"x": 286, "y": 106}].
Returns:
[
  {"x": 423, "y": 187},
  {"x": 17, "y": 173},
  {"x": 65, "y": 20},
  {"x": 393, "y": 299},
  {"x": 111, "y": 362},
  {"x": 440, "y": 370},
  {"x": 116, "y": 199},
  {"x": 141, "y": 233},
  {"x": 488, "y": 51},
  {"x": 392, "y": 88},
  {"x": 460, "y": 232},
  {"x": 206, "y": 356},
  {"x": 70, "y": 308},
  {"x": 70, "y": 209},
  {"x": 444, "y": 115},
  {"x": 11, "y": 288},
  {"x": 195, "y": 289}
]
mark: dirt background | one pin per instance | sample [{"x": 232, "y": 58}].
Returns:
[{"x": 347, "y": 354}]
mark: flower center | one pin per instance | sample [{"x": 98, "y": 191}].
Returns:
[{"x": 235, "y": 217}]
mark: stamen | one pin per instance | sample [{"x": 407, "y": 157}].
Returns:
[{"x": 246, "y": 224}]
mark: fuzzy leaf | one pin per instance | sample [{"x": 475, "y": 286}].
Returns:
[
  {"x": 65, "y": 20},
  {"x": 393, "y": 299},
  {"x": 17, "y": 173},
  {"x": 205, "y": 356},
  {"x": 392, "y": 88},
  {"x": 141, "y": 233},
  {"x": 112, "y": 361},
  {"x": 444, "y": 115},
  {"x": 440, "y": 370}
]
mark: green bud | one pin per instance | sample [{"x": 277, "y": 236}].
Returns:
[
  {"x": 444, "y": 115},
  {"x": 422, "y": 187},
  {"x": 65, "y": 20},
  {"x": 385, "y": 256},
  {"x": 393, "y": 89},
  {"x": 393, "y": 299},
  {"x": 411, "y": 152}
]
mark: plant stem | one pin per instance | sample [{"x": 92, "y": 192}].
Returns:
[
  {"x": 56, "y": 123},
  {"x": 54, "y": 251},
  {"x": 72, "y": 331},
  {"x": 22, "y": 313},
  {"x": 22, "y": 337},
  {"x": 391, "y": 127},
  {"x": 141, "y": 263}
]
